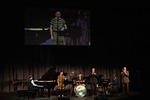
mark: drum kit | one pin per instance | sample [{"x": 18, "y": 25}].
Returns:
[{"x": 80, "y": 89}]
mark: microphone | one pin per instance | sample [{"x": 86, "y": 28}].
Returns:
[{"x": 58, "y": 18}]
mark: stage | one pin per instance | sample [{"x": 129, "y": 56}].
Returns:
[{"x": 132, "y": 95}]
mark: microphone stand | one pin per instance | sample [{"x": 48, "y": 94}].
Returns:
[{"x": 57, "y": 30}]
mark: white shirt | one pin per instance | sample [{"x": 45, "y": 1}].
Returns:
[{"x": 32, "y": 81}]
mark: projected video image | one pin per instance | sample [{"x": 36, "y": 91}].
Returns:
[{"x": 55, "y": 26}]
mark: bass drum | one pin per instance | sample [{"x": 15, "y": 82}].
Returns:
[{"x": 80, "y": 90}]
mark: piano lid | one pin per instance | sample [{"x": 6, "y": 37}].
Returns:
[{"x": 51, "y": 74}]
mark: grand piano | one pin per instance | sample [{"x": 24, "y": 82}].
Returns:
[{"x": 48, "y": 80}]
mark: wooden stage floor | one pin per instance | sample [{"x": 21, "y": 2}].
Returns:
[{"x": 131, "y": 96}]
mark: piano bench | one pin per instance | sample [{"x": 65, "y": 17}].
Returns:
[
  {"x": 28, "y": 93},
  {"x": 31, "y": 93}
]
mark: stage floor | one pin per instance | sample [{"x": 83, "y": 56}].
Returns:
[{"x": 13, "y": 96}]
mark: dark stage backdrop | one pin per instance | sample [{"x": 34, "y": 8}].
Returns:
[
  {"x": 119, "y": 37},
  {"x": 23, "y": 61}
]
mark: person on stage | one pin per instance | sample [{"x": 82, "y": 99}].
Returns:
[
  {"x": 60, "y": 81},
  {"x": 58, "y": 25},
  {"x": 93, "y": 81},
  {"x": 125, "y": 80}
]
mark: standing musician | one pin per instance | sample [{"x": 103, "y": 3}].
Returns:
[
  {"x": 71, "y": 83},
  {"x": 93, "y": 81},
  {"x": 60, "y": 82},
  {"x": 57, "y": 25},
  {"x": 125, "y": 80}
]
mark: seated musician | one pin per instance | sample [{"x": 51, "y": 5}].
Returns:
[
  {"x": 80, "y": 88},
  {"x": 60, "y": 82},
  {"x": 32, "y": 86},
  {"x": 114, "y": 84},
  {"x": 80, "y": 80}
]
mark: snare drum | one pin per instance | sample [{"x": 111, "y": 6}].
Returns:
[{"x": 80, "y": 90}]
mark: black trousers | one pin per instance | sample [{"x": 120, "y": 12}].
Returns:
[{"x": 93, "y": 88}]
